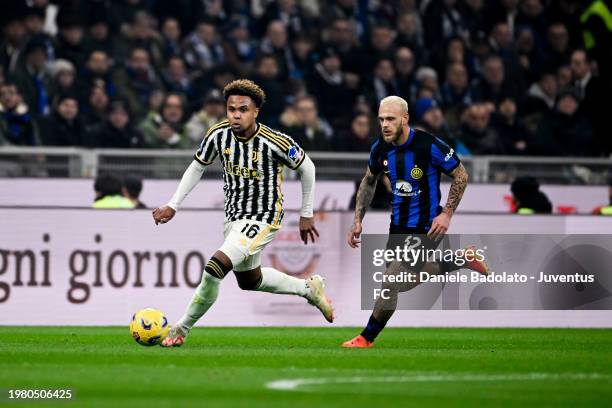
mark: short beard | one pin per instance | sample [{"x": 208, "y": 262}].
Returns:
[{"x": 397, "y": 135}]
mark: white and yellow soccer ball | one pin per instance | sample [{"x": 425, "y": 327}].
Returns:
[{"x": 149, "y": 327}]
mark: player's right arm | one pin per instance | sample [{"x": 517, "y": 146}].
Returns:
[
  {"x": 365, "y": 194},
  {"x": 204, "y": 156}
]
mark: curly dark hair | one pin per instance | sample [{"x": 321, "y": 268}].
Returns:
[{"x": 245, "y": 87}]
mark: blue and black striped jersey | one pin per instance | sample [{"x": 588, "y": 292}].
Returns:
[{"x": 414, "y": 171}]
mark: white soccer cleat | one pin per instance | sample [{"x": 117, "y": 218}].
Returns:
[
  {"x": 316, "y": 297},
  {"x": 175, "y": 338}
]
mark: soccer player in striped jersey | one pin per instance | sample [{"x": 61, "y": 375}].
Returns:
[
  {"x": 252, "y": 156},
  {"x": 413, "y": 160}
]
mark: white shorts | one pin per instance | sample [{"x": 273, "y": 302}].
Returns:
[{"x": 244, "y": 241}]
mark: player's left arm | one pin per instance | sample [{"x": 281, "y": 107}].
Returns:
[
  {"x": 440, "y": 224},
  {"x": 306, "y": 170}
]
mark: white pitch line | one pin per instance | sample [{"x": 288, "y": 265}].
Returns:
[{"x": 294, "y": 384}]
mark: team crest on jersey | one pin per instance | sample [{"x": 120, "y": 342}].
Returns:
[
  {"x": 255, "y": 155},
  {"x": 416, "y": 173},
  {"x": 227, "y": 151},
  {"x": 403, "y": 188}
]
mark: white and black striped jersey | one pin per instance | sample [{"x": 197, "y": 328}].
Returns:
[{"x": 252, "y": 170}]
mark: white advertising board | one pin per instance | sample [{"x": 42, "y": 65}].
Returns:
[{"x": 88, "y": 267}]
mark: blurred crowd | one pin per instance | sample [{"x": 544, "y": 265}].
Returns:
[{"x": 506, "y": 77}]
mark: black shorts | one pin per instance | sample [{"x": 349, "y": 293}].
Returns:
[{"x": 413, "y": 238}]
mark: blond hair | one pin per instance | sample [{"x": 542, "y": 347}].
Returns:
[{"x": 396, "y": 100}]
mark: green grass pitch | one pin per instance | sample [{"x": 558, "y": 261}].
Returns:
[{"x": 235, "y": 367}]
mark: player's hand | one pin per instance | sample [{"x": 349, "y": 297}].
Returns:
[
  {"x": 307, "y": 229},
  {"x": 163, "y": 214},
  {"x": 354, "y": 234},
  {"x": 439, "y": 226}
]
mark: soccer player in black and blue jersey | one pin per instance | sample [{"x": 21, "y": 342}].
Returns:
[{"x": 413, "y": 160}]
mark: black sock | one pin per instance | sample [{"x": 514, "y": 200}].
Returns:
[{"x": 373, "y": 328}]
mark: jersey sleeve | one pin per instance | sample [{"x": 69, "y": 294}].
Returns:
[
  {"x": 375, "y": 162},
  {"x": 207, "y": 151},
  {"x": 288, "y": 151},
  {"x": 444, "y": 157}
]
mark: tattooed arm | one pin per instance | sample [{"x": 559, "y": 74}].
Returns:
[
  {"x": 365, "y": 193},
  {"x": 440, "y": 224},
  {"x": 460, "y": 180}
]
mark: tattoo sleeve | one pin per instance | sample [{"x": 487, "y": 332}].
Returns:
[
  {"x": 365, "y": 193},
  {"x": 460, "y": 180}
]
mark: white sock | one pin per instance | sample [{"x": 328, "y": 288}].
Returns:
[
  {"x": 275, "y": 281},
  {"x": 205, "y": 295}
]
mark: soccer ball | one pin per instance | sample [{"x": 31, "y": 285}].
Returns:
[{"x": 149, "y": 327}]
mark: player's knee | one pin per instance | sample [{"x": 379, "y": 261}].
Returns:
[
  {"x": 216, "y": 268},
  {"x": 247, "y": 281}
]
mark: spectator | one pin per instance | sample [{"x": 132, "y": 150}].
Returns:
[
  {"x": 382, "y": 45},
  {"x": 276, "y": 43},
  {"x": 171, "y": 37},
  {"x": 493, "y": 86},
  {"x": 212, "y": 112},
  {"x": 143, "y": 34},
  {"x": 310, "y": 131},
  {"x": 559, "y": 49},
  {"x": 70, "y": 40},
  {"x": 99, "y": 34},
  {"x": 96, "y": 109},
  {"x": 117, "y": 131},
  {"x": 137, "y": 80},
  {"x": 383, "y": 83},
  {"x": 540, "y": 100},
  {"x": 289, "y": 13},
  {"x": 244, "y": 48},
  {"x": 410, "y": 32},
  {"x": 63, "y": 127},
  {"x": 108, "y": 194},
  {"x": 32, "y": 80},
  {"x": 455, "y": 93},
  {"x": 34, "y": 22},
  {"x": 303, "y": 53},
  {"x": 597, "y": 36},
  {"x": 166, "y": 130},
  {"x": 430, "y": 118},
  {"x": 203, "y": 47},
  {"x": 96, "y": 73},
  {"x": 475, "y": 132},
  {"x": 13, "y": 42},
  {"x": 359, "y": 137},
  {"x": 16, "y": 124},
  {"x": 566, "y": 132},
  {"x": 542, "y": 94},
  {"x": 501, "y": 11},
  {"x": 404, "y": 68},
  {"x": 530, "y": 58},
  {"x": 268, "y": 78},
  {"x": 132, "y": 187},
  {"x": 328, "y": 86},
  {"x": 176, "y": 78},
  {"x": 63, "y": 76},
  {"x": 527, "y": 197},
  {"x": 341, "y": 36},
  {"x": 426, "y": 78},
  {"x": 441, "y": 21},
  {"x": 593, "y": 96},
  {"x": 511, "y": 129}
]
